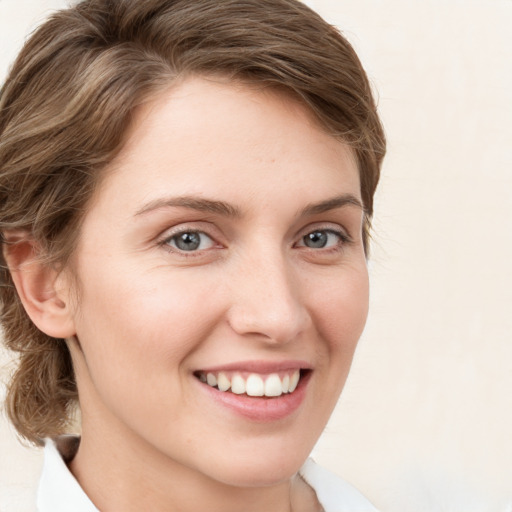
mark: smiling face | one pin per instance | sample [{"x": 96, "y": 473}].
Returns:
[{"x": 222, "y": 250}]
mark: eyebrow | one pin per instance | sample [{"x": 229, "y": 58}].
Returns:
[
  {"x": 194, "y": 203},
  {"x": 332, "y": 204},
  {"x": 228, "y": 210}
]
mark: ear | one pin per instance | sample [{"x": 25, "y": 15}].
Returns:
[{"x": 43, "y": 290}]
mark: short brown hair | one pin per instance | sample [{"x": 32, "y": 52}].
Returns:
[{"x": 69, "y": 99}]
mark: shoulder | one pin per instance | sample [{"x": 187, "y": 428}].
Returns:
[{"x": 334, "y": 494}]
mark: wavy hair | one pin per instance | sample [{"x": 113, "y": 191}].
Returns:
[{"x": 67, "y": 103}]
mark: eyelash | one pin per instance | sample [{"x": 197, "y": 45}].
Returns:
[
  {"x": 343, "y": 239},
  {"x": 166, "y": 242}
]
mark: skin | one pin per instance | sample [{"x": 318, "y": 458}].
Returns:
[{"x": 149, "y": 315}]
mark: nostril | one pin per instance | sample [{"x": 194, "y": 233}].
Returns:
[{"x": 278, "y": 323}]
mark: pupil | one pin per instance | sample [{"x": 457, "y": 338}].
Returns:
[
  {"x": 188, "y": 241},
  {"x": 317, "y": 239}
]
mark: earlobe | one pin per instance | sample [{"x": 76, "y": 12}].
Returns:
[{"x": 40, "y": 287}]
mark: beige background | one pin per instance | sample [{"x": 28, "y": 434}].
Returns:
[{"x": 425, "y": 421}]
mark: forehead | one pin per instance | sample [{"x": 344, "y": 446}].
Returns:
[
  {"x": 214, "y": 99},
  {"x": 209, "y": 135}
]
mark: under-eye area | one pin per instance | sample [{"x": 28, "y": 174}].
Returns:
[{"x": 270, "y": 385}]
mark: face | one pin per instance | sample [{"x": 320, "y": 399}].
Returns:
[{"x": 220, "y": 261}]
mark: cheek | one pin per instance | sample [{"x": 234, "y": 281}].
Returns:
[
  {"x": 341, "y": 309},
  {"x": 137, "y": 337},
  {"x": 140, "y": 326}
]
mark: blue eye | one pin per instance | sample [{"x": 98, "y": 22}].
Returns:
[
  {"x": 321, "y": 239},
  {"x": 190, "y": 241}
]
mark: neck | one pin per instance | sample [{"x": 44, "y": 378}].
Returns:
[{"x": 130, "y": 475}]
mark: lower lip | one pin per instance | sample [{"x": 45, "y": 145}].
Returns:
[{"x": 261, "y": 409}]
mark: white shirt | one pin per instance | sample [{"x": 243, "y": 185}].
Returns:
[{"x": 60, "y": 492}]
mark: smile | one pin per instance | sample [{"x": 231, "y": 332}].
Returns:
[
  {"x": 260, "y": 391},
  {"x": 252, "y": 384}
]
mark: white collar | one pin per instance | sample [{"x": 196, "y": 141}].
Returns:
[
  {"x": 58, "y": 489},
  {"x": 60, "y": 492},
  {"x": 333, "y": 493}
]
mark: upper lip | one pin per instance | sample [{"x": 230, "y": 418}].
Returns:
[{"x": 262, "y": 367}]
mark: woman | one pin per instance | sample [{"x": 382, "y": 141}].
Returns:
[{"x": 186, "y": 190}]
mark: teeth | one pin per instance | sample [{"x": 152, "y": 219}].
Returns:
[
  {"x": 294, "y": 380},
  {"x": 238, "y": 385},
  {"x": 223, "y": 382},
  {"x": 255, "y": 385},
  {"x": 273, "y": 385},
  {"x": 286, "y": 384}
]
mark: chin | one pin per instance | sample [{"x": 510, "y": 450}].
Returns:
[{"x": 264, "y": 468}]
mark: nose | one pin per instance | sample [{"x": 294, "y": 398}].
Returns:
[{"x": 266, "y": 300}]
